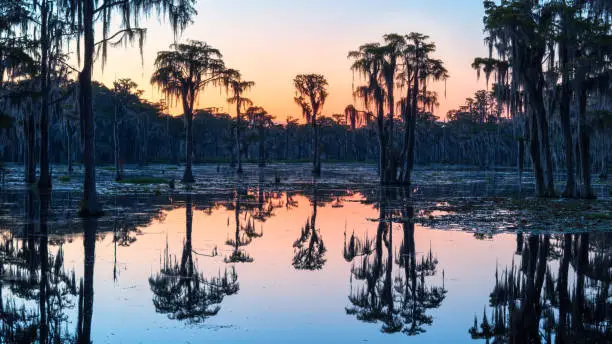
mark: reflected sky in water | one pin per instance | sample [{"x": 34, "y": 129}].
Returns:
[{"x": 253, "y": 265}]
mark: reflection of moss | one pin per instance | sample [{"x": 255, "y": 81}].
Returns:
[
  {"x": 64, "y": 179},
  {"x": 239, "y": 257},
  {"x": 144, "y": 180},
  {"x": 109, "y": 168}
]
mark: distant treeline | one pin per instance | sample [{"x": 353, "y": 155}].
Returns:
[{"x": 146, "y": 134}]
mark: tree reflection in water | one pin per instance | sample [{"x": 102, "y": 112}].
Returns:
[
  {"x": 399, "y": 301},
  {"x": 245, "y": 232},
  {"x": 40, "y": 290},
  {"x": 86, "y": 290},
  {"x": 184, "y": 293},
  {"x": 531, "y": 304},
  {"x": 309, "y": 248}
]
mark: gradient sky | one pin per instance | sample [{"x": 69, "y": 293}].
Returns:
[{"x": 270, "y": 41}]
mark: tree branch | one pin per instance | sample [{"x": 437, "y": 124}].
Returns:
[
  {"x": 120, "y": 32},
  {"x": 67, "y": 65},
  {"x": 109, "y": 5}
]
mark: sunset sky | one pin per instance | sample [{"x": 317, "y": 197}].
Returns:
[{"x": 270, "y": 41}]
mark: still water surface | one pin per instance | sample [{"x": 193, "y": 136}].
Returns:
[{"x": 318, "y": 265}]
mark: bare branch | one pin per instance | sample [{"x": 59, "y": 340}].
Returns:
[{"x": 109, "y": 5}]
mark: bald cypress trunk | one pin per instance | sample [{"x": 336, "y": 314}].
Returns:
[
  {"x": 89, "y": 205},
  {"x": 391, "y": 169},
  {"x": 564, "y": 112},
  {"x": 382, "y": 145},
  {"x": 188, "y": 114},
  {"x": 520, "y": 163},
  {"x": 410, "y": 150},
  {"x": 412, "y": 126},
  {"x": 534, "y": 148},
  {"x": 316, "y": 159},
  {"x": 44, "y": 181},
  {"x": 585, "y": 149},
  {"x": 545, "y": 142},
  {"x": 29, "y": 156},
  {"x": 238, "y": 148},
  {"x": 537, "y": 105},
  {"x": 262, "y": 147},
  {"x": 540, "y": 146}
]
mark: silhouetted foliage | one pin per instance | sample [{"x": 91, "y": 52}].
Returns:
[
  {"x": 184, "y": 293},
  {"x": 399, "y": 301}
]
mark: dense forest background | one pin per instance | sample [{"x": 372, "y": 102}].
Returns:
[{"x": 477, "y": 133}]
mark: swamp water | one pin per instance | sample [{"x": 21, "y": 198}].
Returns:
[{"x": 302, "y": 261}]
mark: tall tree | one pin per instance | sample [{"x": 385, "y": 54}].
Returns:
[
  {"x": 85, "y": 16},
  {"x": 592, "y": 69},
  {"x": 403, "y": 60},
  {"x": 368, "y": 60},
  {"x": 50, "y": 35},
  {"x": 260, "y": 120},
  {"x": 181, "y": 73},
  {"x": 518, "y": 30},
  {"x": 125, "y": 93},
  {"x": 354, "y": 118},
  {"x": 18, "y": 64},
  {"x": 232, "y": 80},
  {"x": 419, "y": 69},
  {"x": 311, "y": 95}
]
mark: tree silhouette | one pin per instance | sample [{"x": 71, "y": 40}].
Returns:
[
  {"x": 182, "y": 73},
  {"x": 311, "y": 92},
  {"x": 260, "y": 120},
  {"x": 232, "y": 80},
  {"x": 309, "y": 249},
  {"x": 85, "y": 15},
  {"x": 368, "y": 63},
  {"x": 402, "y": 60},
  {"x": 184, "y": 293},
  {"x": 244, "y": 234},
  {"x": 41, "y": 289},
  {"x": 505, "y": 24},
  {"x": 400, "y": 303},
  {"x": 531, "y": 305},
  {"x": 419, "y": 69},
  {"x": 86, "y": 290},
  {"x": 125, "y": 91}
]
